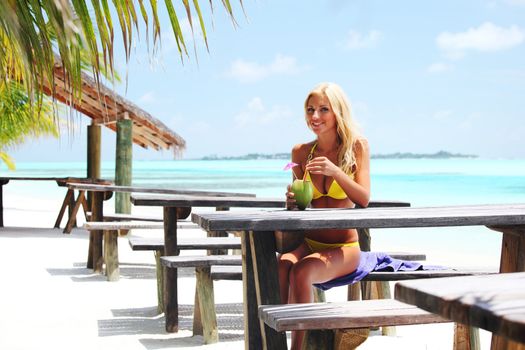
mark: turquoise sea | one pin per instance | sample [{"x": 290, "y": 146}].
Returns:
[{"x": 422, "y": 182}]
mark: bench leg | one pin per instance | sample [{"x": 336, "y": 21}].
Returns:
[
  {"x": 111, "y": 254},
  {"x": 208, "y": 316},
  {"x": 318, "y": 339},
  {"x": 319, "y": 296},
  {"x": 354, "y": 292},
  {"x": 383, "y": 292},
  {"x": 197, "y": 319},
  {"x": 465, "y": 337},
  {"x": 160, "y": 282}
]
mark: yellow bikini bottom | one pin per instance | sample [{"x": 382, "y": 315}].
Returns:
[{"x": 316, "y": 246}]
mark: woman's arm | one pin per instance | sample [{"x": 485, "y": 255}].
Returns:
[{"x": 358, "y": 189}]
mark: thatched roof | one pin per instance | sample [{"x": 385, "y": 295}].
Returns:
[{"x": 106, "y": 107}]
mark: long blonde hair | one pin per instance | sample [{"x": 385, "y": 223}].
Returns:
[{"x": 347, "y": 130}]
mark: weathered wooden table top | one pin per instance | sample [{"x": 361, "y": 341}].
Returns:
[
  {"x": 270, "y": 220},
  {"x": 495, "y": 303},
  {"x": 138, "y": 189},
  {"x": 206, "y": 201}
]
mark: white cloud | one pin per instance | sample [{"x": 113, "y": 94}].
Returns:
[
  {"x": 255, "y": 113},
  {"x": 356, "y": 40},
  {"x": 515, "y": 2},
  {"x": 148, "y": 97},
  {"x": 439, "y": 67},
  {"x": 485, "y": 38},
  {"x": 250, "y": 72},
  {"x": 443, "y": 115}
]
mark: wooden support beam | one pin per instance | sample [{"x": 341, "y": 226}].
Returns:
[{"x": 123, "y": 164}]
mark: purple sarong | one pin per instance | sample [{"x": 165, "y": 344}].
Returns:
[{"x": 375, "y": 261}]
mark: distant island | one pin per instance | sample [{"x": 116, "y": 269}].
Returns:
[{"x": 397, "y": 155}]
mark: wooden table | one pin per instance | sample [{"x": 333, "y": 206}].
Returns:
[
  {"x": 260, "y": 266},
  {"x": 170, "y": 205},
  {"x": 103, "y": 191},
  {"x": 61, "y": 181},
  {"x": 495, "y": 303}
]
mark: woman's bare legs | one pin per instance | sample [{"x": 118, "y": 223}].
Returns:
[
  {"x": 317, "y": 268},
  {"x": 285, "y": 263}
]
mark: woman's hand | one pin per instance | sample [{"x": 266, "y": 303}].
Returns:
[
  {"x": 290, "y": 200},
  {"x": 322, "y": 165}
]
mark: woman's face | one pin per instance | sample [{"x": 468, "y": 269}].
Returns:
[{"x": 319, "y": 115}]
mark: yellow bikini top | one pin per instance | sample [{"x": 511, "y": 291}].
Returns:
[{"x": 335, "y": 191}]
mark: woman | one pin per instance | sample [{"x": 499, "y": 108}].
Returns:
[{"x": 338, "y": 165}]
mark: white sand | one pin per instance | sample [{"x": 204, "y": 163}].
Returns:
[{"x": 50, "y": 300}]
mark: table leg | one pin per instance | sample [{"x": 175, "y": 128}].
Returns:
[
  {"x": 95, "y": 237},
  {"x": 69, "y": 194},
  {"x": 252, "y": 330},
  {"x": 171, "y": 306},
  {"x": 512, "y": 260},
  {"x": 73, "y": 212},
  {"x": 262, "y": 246},
  {"x": 218, "y": 234}
]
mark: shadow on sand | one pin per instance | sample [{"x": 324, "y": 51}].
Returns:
[
  {"x": 147, "y": 321},
  {"x": 79, "y": 272},
  {"x": 42, "y": 232}
]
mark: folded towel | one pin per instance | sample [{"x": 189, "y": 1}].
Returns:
[{"x": 375, "y": 261}]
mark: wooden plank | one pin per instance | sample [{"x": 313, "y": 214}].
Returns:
[
  {"x": 130, "y": 217},
  {"x": 121, "y": 225},
  {"x": 410, "y": 275},
  {"x": 136, "y": 189},
  {"x": 350, "y": 314},
  {"x": 206, "y": 201},
  {"x": 271, "y": 220},
  {"x": 139, "y": 243},
  {"x": 200, "y": 260},
  {"x": 495, "y": 302},
  {"x": 230, "y": 273}
]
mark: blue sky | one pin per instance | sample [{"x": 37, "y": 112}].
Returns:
[{"x": 422, "y": 76}]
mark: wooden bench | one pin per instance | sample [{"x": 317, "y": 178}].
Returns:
[
  {"x": 215, "y": 267},
  {"x": 204, "y": 316},
  {"x": 110, "y": 240},
  {"x": 329, "y": 325},
  {"x": 207, "y": 243}
]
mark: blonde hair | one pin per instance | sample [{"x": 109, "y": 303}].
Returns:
[{"x": 347, "y": 130}]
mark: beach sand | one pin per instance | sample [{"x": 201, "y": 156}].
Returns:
[{"x": 50, "y": 300}]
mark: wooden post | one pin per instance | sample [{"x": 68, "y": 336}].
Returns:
[
  {"x": 93, "y": 172},
  {"x": 2, "y": 183},
  {"x": 171, "y": 306},
  {"x": 93, "y": 151},
  {"x": 123, "y": 163}
]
